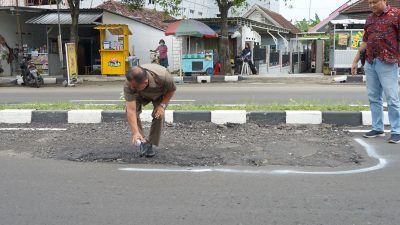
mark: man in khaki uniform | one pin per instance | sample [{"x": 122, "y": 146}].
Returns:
[{"x": 145, "y": 84}]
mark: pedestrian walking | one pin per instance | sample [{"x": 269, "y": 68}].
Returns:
[
  {"x": 381, "y": 42},
  {"x": 148, "y": 83},
  {"x": 162, "y": 49}
]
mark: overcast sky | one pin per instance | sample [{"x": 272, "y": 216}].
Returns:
[{"x": 301, "y": 7}]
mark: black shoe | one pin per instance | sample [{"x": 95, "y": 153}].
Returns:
[
  {"x": 143, "y": 149},
  {"x": 150, "y": 152},
  {"x": 374, "y": 133},
  {"x": 394, "y": 138}
]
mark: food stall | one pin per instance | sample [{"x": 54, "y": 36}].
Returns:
[
  {"x": 114, "y": 48},
  {"x": 346, "y": 36},
  {"x": 198, "y": 63},
  {"x": 202, "y": 61}
]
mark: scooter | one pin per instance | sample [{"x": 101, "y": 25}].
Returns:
[
  {"x": 154, "y": 57},
  {"x": 30, "y": 74}
]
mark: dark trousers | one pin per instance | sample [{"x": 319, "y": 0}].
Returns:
[
  {"x": 156, "y": 124},
  {"x": 252, "y": 67}
]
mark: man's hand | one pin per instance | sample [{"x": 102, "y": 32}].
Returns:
[
  {"x": 158, "y": 112},
  {"x": 137, "y": 137},
  {"x": 354, "y": 68}
]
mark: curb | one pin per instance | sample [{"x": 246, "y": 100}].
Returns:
[
  {"x": 10, "y": 116},
  {"x": 206, "y": 79}
]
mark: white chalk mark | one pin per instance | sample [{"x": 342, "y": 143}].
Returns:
[
  {"x": 32, "y": 129},
  {"x": 370, "y": 151}
]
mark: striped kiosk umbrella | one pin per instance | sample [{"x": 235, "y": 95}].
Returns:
[{"x": 188, "y": 27}]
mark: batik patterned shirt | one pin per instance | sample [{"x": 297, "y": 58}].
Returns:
[{"x": 382, "y": 36}]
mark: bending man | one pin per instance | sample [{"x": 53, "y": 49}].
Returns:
[{"x": 145, "y": 84}]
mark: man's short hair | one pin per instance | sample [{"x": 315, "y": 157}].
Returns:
[{"x": 137, "y": 73}]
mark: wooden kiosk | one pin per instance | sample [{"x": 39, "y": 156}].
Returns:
[{"x": 114, "y": 50}]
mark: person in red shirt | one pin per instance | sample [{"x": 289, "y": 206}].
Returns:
[
  {"x": 163, "y": 51},
  {"x": 381, "y": 43}
]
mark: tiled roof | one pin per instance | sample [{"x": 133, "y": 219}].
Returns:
[
  {"x": 362, "y": 6},
  {"x": 148, "y": 16},
  {"x": 281, "y": 20}
]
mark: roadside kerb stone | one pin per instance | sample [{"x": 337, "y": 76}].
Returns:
[
  {"x": 217, "y": 116},
  {"x": 342, "y": 118},
  {"x": 231, "y": 78},
  {"x": 203, "y": 79},
  {"x": 16, "y": 116},
  {"x": 228, "y": 116},
  {"x": 367, "y": 118},
  {"x": 186, "y": 116},
  {"x": 303, "y": 117},
  {"x": 113, "y": 115},
  {"x": 270, "y": 118},
  {"x": 217, "y": 79},
  {"x": 49, "y": 116},
  {"x": 84, "y": 116}
]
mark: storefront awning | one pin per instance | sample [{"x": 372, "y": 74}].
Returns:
[
  {"x": 114, "y": 29},
  {"x": 65, "y": 18}
]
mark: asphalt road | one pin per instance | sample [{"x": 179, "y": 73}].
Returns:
[
  {"x": 37, "y": 191},
  {"x": 214, "y": 93}
]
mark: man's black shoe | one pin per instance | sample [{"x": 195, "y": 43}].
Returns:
[
  {"x": 374, "y": 133},
  {"x": 394, "y": 138},
  {"x": 150, "y": 152},
  {"x": 142, "y": 149}
]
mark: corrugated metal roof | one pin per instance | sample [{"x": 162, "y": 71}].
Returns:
[{"x": 65, "y": 18}]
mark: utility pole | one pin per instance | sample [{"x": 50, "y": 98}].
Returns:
[
  {"x": 60, "y": 52},
  {"x": 309, "y": 12}
]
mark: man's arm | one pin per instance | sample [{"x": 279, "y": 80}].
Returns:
[
  {"x": 132, "y": 121},
  {"x": 354, "y": 66},
  {"x": 160, "y": 110}
]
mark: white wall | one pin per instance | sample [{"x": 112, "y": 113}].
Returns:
[
  {"x": 33, "y": 35},
  {"x": 143, "y": 39}
]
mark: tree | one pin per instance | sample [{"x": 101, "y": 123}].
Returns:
[
  {"x": 74, "y": 8},
  {"x": 172, "y": 7},
  {"x": 304, "y": 25},
  {"x": 134, "y": 4}
]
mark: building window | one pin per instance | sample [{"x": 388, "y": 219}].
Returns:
[
  {"x": 191, "y": 11},
  {"x": 200, "y": 13},
  {"x": 151, "y": 2}
]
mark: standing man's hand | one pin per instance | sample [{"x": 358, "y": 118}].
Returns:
[{"x": 354, "y": 68}]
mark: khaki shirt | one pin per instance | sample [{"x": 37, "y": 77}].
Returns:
[{"x": 160, "y": 82}]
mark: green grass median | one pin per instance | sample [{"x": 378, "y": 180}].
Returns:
[{"x": 192, "y": 107}]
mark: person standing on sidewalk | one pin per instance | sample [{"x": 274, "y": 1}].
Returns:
[
  {"x": 145, "y": 84},
  {"x": 381, "y": 42},
  {"x": 162, "y": 49}
]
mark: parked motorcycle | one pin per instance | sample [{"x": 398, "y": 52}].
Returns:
[{"x": 30, "y": 74}]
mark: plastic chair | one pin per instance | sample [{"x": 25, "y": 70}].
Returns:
[{"x": 245, "y": 69}]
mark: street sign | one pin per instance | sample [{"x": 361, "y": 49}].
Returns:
[{"x": 72, "y": 69}]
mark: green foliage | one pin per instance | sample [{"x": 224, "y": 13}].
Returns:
[
  {"x": 134, "y": 4},
  {"x": 304, "y": 25}
]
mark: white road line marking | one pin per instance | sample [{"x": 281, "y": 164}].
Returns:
[
  {"x": 364, "y": 131},
  {"x": 370, "y": 151},
  {"x": 32, "y": 129}
]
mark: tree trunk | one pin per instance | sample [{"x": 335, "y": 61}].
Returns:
[
  {"x": 74, "y": 7},
  {"x": 224, "y": 52}
]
